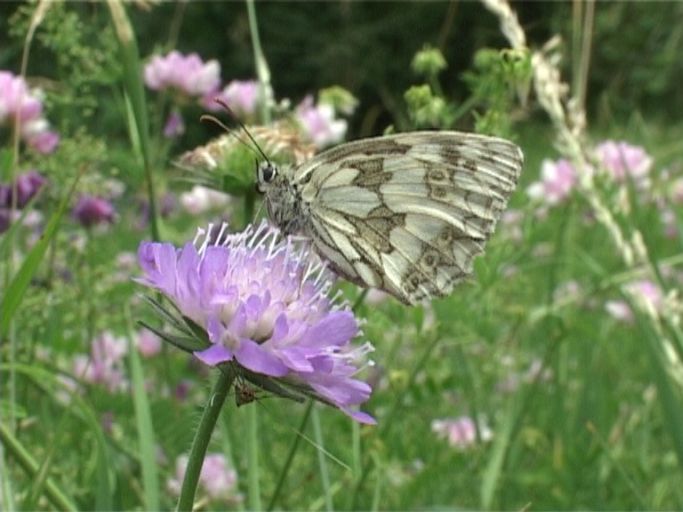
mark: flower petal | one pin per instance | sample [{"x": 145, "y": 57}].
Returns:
[
  {"x": 336, "y": 328},
  {"x": 359, "y": 416},
  {"x": 253, "y": 356},
  {"x": 214, "y": 355}
]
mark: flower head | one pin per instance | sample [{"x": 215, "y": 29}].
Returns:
[
  {"x": 645, "y": 292},
  {"x": 93, "y": 210},
  {"x": 557, "y": 181},
  {"x": 148, "y": 343},
  {"x": 461, "y": 432},
  {"x": 16, "y": 99},
  {"x": 20, "y": 104},
  {"x": 187, "y": 74},
  {"x": 39, "y": 137},
  {"x": 26, "y": 186},
  {"x": 622, "y": 160},
  {"x": 105, "y": 364},
  {"x": 202, "y": 199},
  {"x": 319, "y": 123},
  {"x": 264, "y": 306},
  {"x": 242, "y": 96}
]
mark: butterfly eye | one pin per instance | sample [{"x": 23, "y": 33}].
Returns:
[{"x": 266, "y": 172}]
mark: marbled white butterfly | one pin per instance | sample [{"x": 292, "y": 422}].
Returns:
[{"x": 404, "y": 213}]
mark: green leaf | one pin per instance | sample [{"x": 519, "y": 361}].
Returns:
[{"x": 184, "y": 343}]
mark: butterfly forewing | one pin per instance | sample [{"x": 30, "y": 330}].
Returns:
[{"x": 407, "y": 213}]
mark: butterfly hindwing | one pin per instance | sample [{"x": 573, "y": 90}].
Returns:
[{"x": 407, "y": 213}]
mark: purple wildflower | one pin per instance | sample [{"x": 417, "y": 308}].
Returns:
[
  {"x": 645, "y": 291},
  {"x": 40, "y": 138},
  {"x": 148, "y": 343},
  {"x": 187, "y": 74},
  {"x": 242, "y": 96},
  {"x": 27, "y": 185},
  {"x": 556, "y": 184},
  {"x": 263, "y": 305},
  {"x": 622, "y": 160},
  {"x": 93, "y": 210},
  {"x": 461, "y": 432},
  {"x": 319, "y": 123},
  {"x": 20, "y": 105},
  {"x": 182, "y": 390},
  {"x": 175, "y": 126},
  {"x": 105, "y": 364},
  {"x": 202, "y": 199}
]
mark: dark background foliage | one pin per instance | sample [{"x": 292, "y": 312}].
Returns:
[{"x": 366, "y": 47}]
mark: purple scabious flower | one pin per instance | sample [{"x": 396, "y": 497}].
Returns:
[
  {"x": 264, "y": 305},
  {"x": 188, "y": 74},
  {"x": 93, "y": 210}
]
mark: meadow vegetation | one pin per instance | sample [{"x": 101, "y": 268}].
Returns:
[{"x": 553, "y": 379}]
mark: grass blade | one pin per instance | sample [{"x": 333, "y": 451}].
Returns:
[
  {"x": 17, "y": 287},
  {"x": 135, "y": 93},
  {"x": 322, "y": 462},
  {"x": 670, "y": 397},
  {"x": 31, "y": 467},
  {"x": 145, "y": 428}
]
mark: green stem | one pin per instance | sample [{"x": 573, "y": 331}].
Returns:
[
  {"x": 202, "y": 438},
  {"x": 135, "y": 91},
  {"x": 262, "y": 70},
  {"x": 252, "y": 454}
]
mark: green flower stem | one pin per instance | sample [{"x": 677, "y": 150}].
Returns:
[
  {"x": 202, "y": 438},
  {"x": 262, "y": 70}
]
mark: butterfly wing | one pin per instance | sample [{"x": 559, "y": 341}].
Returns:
[{"x": 407, "y": 213}]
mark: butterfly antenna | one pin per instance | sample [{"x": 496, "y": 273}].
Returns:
[
  {"x": 208, "y": 117},
  {"x": 223, "y": 104}
]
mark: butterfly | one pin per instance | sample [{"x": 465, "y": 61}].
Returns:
[{"x": 405, "y": 213}]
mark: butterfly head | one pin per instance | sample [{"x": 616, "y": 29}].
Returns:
[
  {"x": 281, "y": 197},
  {"x": 266, "y": 173}
]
